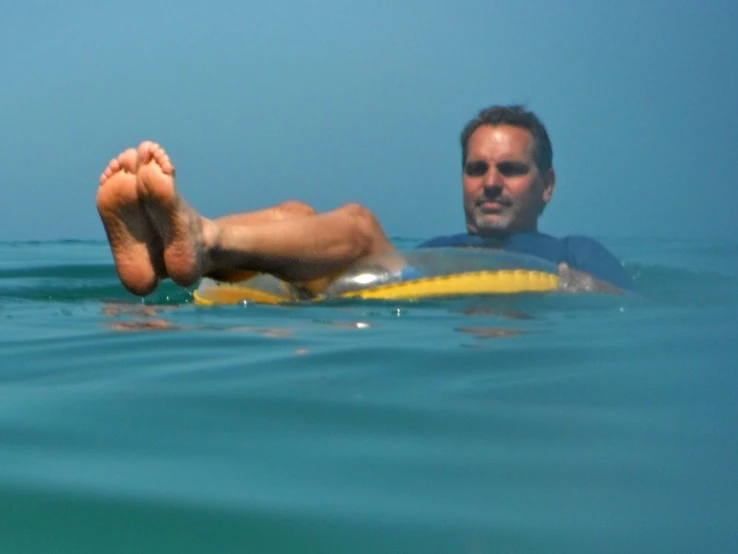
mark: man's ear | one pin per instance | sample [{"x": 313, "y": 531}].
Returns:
[{"x": 549, "y": 184}]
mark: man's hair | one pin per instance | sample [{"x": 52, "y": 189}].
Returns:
[{"x": 515, "y": 116}]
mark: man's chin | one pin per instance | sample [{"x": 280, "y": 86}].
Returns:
[{"x": 491, "y": 225}]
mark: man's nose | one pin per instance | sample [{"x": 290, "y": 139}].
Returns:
[{"x": 492, "y": 179}]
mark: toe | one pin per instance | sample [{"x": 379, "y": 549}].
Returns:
[
  {"x": 113, "y": 167},
  {"x": 149, "y": 151},
  {"x": 162, "y": 158},
  {"x": 129, "y": 160},
  {"x": 146, "y": 151}
]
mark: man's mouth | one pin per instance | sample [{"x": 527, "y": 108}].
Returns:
[{"x": 492, "y": 205}]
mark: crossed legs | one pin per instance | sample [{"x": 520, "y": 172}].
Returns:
[{"x": 154, "y": 234}]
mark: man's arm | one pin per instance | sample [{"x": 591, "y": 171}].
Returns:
[
  {"x": 573, "y": 280},
  {"x": 591, "y": 267}
]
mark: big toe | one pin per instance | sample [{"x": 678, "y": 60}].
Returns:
[
  {"x": 149, "y": 151},
  {"x": 127, "y": 161},
  {"x": 146, "y": 151}
]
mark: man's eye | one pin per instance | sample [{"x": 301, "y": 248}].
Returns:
[
  {"x": 511, "y": 169},
  {"x": 476, "y": 169}
]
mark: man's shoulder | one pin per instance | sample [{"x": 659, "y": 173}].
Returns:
[
  {"x": 506, "y": 242},
  {"x": 529, "y": 238},
  {"x": 590, "y": 255},
  {"x": 581, "y": 241},
  {"x": 580, "y": 247}
]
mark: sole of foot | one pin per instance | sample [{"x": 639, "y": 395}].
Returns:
[
  {"x": 178, "y": 225},
  {"x": 132, "y": 238}
]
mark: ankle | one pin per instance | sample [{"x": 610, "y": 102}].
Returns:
[{"x": 211, "y": 242}]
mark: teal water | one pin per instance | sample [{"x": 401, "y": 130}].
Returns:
[{"x": 530, "y": 423}]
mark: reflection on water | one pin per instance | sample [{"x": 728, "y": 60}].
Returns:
[
  {"x": 482, "y": 332},
  {"x": 143, "y": 317}
]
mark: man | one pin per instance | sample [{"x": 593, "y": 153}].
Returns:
[{"x": 508, "y": 180}]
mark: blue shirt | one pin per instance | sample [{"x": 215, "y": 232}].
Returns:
[{"x": 578, "y": 252}]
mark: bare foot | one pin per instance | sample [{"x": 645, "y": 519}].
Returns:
[
  {"x": 182, "y": 230},
  {"x": 133, "y": 241}
]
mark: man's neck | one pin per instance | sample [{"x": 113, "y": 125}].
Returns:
[{"x": 501, "y": 235}]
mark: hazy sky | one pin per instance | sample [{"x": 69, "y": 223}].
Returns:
[{"x": 333, "y": 101}]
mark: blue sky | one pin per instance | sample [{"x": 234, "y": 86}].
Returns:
[{"x": 331, "y": 102}]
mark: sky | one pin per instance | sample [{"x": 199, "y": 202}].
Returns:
[{"x": 331, "y": 102}]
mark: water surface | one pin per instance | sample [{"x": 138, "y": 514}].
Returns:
[{"x": 528, "y": 423}]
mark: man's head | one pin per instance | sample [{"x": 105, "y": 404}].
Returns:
[{"x": 508, "y": 171}]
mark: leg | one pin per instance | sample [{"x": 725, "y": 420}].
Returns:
[
  {"x": 301, "y": 249},
  {"x": 286, "y": 210},
  {"x": 277, "y": 213},
  {"x": 293, "y": 248}
]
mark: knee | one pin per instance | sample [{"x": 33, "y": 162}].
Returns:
[
  {"x": 361, "y": 216},
  {"x": 295, "y": 208},
  {"x": 368, "y": 236}
]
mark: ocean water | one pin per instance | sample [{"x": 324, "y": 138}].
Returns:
[{"x": 528, "y": 423}]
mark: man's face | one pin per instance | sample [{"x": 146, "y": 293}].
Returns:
[{"x": 503, "y": 190}]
